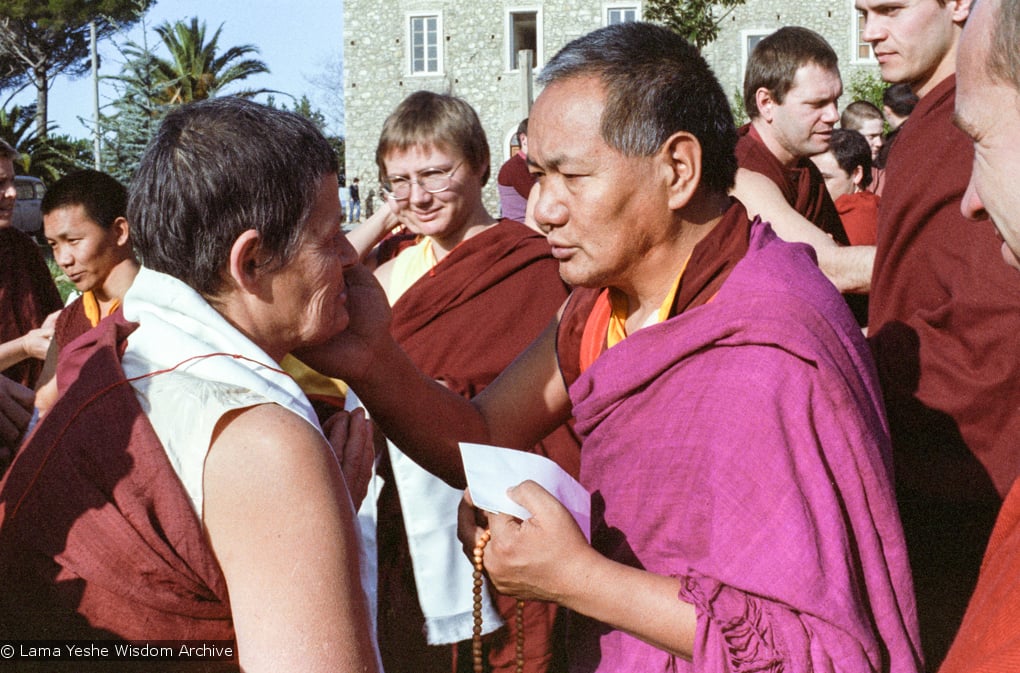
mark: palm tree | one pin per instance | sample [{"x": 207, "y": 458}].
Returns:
[
  {"x": 45, "y": 157},
  {"x": 194, "y": 71}
]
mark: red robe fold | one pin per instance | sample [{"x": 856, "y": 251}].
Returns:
[
  {"x": 463, "y": 323},
  {"x": 802, "y": 186},
  {"x": 98, "y": 539},
  {"x": 989, "y": 638},
  {"x": 27, "y": 296}
]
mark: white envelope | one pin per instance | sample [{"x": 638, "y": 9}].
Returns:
[{"x": 491, "y": 470}]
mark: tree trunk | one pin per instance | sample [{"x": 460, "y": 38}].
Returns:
[{"x": 42, "y": 87}]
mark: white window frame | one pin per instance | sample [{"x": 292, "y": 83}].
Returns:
[
  {"x": 508, "y": 36},
  {"x": 608, "y": 7},
  {"x": 409, "y": 18},
  {"x": 745, "y": 52},
  {"x": 856, "y": 42}
]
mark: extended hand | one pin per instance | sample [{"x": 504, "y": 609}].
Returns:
[
  {"x": 350, "y": 353},
  {"x": 539, "y": 558}
]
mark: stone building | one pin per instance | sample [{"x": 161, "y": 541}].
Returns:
[{"x": 473, "y": 49}]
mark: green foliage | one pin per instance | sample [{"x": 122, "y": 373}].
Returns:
[
  {"x": 64, "y": 285},
  {"x": 865, "y": 85},
  {"x": 40, "y": 39},
  {"x": 304, "y": 108},
  {"x": 696, "y": 20},
  {"x": 196, "y": 70},
  {"x": 129, "y": 123},
  {"x": 45, "y": 157},
  {"x": 737, "y": 108}
]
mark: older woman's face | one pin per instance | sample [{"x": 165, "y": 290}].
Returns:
[{"x": 309, "y": 293}]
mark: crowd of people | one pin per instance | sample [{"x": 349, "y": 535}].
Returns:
[{"x": 780, "y": 358}]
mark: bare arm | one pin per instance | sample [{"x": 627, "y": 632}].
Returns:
[
  {"x": 848, "y": 267},
  {"x": 32, "y": 344},
  {"x": 369, "y": 233},
  {"x": 282, "y": 526},
  {"x": 46, "y": 385},
  {"x": 421, "y": 416}
]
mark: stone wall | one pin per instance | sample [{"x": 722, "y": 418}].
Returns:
[{"x": 473, "y": 35}]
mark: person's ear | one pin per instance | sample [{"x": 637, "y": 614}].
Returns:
[
  {"x": 682, "y": 153},
  {"x": 244, "y": 260},
  {"x": 122, "y": 229},
  {"x": 961, "y": 10},
  {"x": 766, "y": 103},
  {"x": 857, "y": 176}
]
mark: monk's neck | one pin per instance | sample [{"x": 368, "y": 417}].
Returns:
[
  {"x": 115, "y": 286},
  {"x": 764, "y": 132},
  {"x": 444, "y": 245}
]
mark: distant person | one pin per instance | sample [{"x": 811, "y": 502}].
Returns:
[
  {"x": 845, "y": 167},
  {"x": 85, "y": 225},
  {"x": 466, "y": 299},
  {"x": 864, "y": 117},
  {"x": 988, "y": 110},
  {"x": 791, "y": 85},
  {"x": 514, "y": 181},
  {"x": 28, "y": 295},
  {"x": 355, "y": 194},
  {"x": 345, "y": 199},
  {"x": 181, "y": 489},
  {"x": 898, "y": 101},
  {"x": 743, "y": 515},
  {"x": 944, "y": 320}
]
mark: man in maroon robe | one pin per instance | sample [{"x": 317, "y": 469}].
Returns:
[{"x": 943, "y": 324}]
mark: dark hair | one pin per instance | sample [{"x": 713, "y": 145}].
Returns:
[
  {"x": 899, "y": 98},
  {"x": 522, "y": 129},
  {"x": 1004, "y": 52},
  {"x": 858, "y": 112},
  {"x": 774, "y": 63},
  {"x": 7, "y": 151},
  {"x": 851, "y": 150},
  {"x": 215, "y": 169},
  {"x": 426, "y": 119},
  {"x": 656, "y": 84},
  {"x": 103, "y": 198}
]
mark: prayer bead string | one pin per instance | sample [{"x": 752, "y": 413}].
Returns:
[{"x": 476, "y": 638}]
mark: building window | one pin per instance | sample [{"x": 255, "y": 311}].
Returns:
[
  {"x": 425, "y": 54},
  {"x": 750, "y": 40},
  {"x": 621, "y": 14},
  {"x": 523, "y": 29},
  {"x": 862, "y": 50}
]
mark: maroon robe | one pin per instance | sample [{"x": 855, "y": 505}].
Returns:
[
  {"x": 944, "y": 320},
  {"x": 27, "y": 296},
  {"x": 463, "y": 323},
  {"x": 802, "y": 186},
  {"x": 71, "y": 323},
  {"x": 98, "y": 539}
]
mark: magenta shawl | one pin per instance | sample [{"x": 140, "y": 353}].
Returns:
[{"x": 741, "y": 447}]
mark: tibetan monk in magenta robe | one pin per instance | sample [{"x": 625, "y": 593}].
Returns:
[{"x": 783, "y": 526}]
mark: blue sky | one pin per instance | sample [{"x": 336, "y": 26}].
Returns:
[{"x": 297, "y": 39}]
